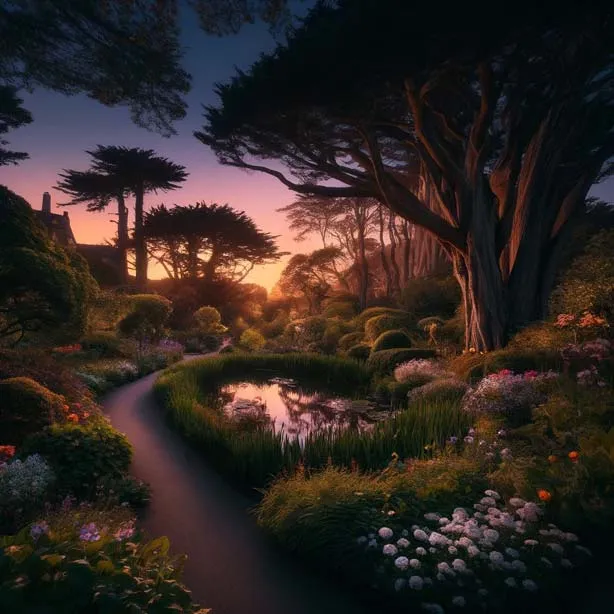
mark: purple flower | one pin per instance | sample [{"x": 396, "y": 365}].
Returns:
[
  {"x": 89, "y": 533},
  {"x": 39, "y": 529}
]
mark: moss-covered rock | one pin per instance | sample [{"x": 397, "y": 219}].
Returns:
[
  {"x": 26, "y": 407},
  {"x": 392, "y": 339}
]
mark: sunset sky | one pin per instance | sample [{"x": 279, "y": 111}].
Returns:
[{"x": 64, "y": 128}]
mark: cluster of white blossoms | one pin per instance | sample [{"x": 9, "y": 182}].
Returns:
[
  {"x": 24, "y": 483},
  {"x": 420, "y": 366},
  {"x": 474, "y": 556}
]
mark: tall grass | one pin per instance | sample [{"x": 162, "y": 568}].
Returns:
[{"x": 254, "y": 457}]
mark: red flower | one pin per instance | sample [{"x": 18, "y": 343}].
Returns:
[
  {"x": 6, "y": 452},
  {"x": 573, "y": 456},
  {"x": 544, "y": 495},
  {"x": 73, "y": 418}
]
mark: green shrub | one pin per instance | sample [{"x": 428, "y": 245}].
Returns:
[
  {"x": 148, "y": 318},
  {"x": 343, "y": 308},
  {"x": 424, "y": 297},
  {"x": 227, "y": 349},
  {"x": 360, "y": 351},
  {"x": 252, "y": 340},
  {"x": 26, "y": 407},
  {"x": 361, "y": 320},
  {"x": 209, "y": 321},
  {"x": 380, "y": 324},
  {"x": 348, "y": 340},
  {"x": 81, "y": 456},
  {"x": 445, "y": 389},
  {"x": 542, "y": 336},
  {"x": 520, "y": 360},
  {"x": 88, "y": 561},
  {"x": 389, "y": 390},
  {"x": 588, "y": 284},
  {"x": 468, "y": 366},
  {"x": 320, "y": 515},
  {"x": 276, "y": 327},
  {"x": 390, "y": 340},
  {"x": 385, "y": 361},
  {"x": 335, "y": 329},
  {"x": 106, "y": 345}
]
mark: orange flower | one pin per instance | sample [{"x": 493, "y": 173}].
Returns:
[
  {"x": 552, "y": 458},
  {"x": 544, "y": 495},
  {"x": 73, "y": 418},
  {"x": 66, "y": 408},
  {"x": 7, "y": 452},
  {"x": 573, "y": 456}
]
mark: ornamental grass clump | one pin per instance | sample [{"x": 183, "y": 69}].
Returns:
[
  {"x": 495, "y": 557},
  {"x": 511, "y": 396}
]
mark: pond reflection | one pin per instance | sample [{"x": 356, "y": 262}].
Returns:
[{"x": 287, "y": 406}]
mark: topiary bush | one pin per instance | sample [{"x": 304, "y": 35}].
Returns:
[
  {"x": 520, "y": 360},
  {"x": 468, "y": 366},
  {"x": 391, "y": 340},
  {"x": 349, "y": 340},
  {"x": 148, "y": 318},
  {"x": 384, "y": 362},
  {"x": 360, "y": 351},
  {"x": 343, "y": 308},
  {"x": 541, "y": 336},
  {"x": 26, "y": 407},
  {"x": 380, "y": 324},
  {"x": 81, "y": 456},
  {"x": 209, "y": 321},
  {"x": 252, "y": 340}
]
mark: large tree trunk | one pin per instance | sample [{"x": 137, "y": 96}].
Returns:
[
  {"x": 122, "y": 237},
  {"x": 140, "y": 246}
]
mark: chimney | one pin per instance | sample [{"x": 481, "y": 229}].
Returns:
[{"x": 46, "y": 202}]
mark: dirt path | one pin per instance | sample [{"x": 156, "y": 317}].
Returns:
[{"x": 231, "y": 567}]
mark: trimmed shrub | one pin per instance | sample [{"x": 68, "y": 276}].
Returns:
[
  {"x": 106, "y": 345},
  {"x": 333, "y": 333},
  {"x": 426, "y": 297},
  {"x": 349, "y": 340},
  {"x": 520, "y": 360},
  {"x": 26, "y": 407},
  {"x": 148, "y": 317},
  {"x": 343, "y": 309},
  {"x": 447, "y": 389},
  {"x": 209, "y": 321},
  {"x": 468, "y": 366},
  {"x": 541, "y": 336},
  {"x": 390, "y": 340},
  {"x": 380, "y": 324},
  {"x": 252, "y": 340},
  {"x": 361, "y": 320},
  {"x": 81, "y": 456},
  {"x": 385, "y": 361},
  {"x": 360, "y": 351}
]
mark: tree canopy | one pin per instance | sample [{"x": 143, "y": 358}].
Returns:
[
  {"x": 12, "y": 115},
  {"x": 207, "y": 241},
  {"x": 43, "y": 287},
  {"x": 508, "y": 118}
]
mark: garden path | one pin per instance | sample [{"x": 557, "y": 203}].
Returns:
[{"x": 231, "y": 567}]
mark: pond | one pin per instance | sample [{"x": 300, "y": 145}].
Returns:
[{"x": 286, "y": 405}]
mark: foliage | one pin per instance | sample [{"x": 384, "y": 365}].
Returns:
[
  {"x": 443, "y": 562},
  {"x": 541, "y": 336},
  {"x": 148, "y": 318},
  {"x": 81, "y": 456},
  {"x": 349, "y": 340},
  {"x": 510, "y": 395},
  {"x": 588, "y": 284},
  {"x": 12, "y": 115},
  {"x": 209, "y": 321},
  {"x": 43, "y": 287},
  {"x": 384, "y": 362},
  {"x": 390, "y": 340},
  {"x": 425, "y": 297},
  {"x": 275, "y": 327},
  {"x": 444, "y": 389},
  {"x": 26, "y": 407},
  {"x": 24, "y": 487},
  {"x": 343, "y": 308},
  {"x": 321, "y": 514},
  {"x": 106, "y": 345},
  {"x": 207, "y": 241},
  {"x": 376, "y": 326},
  {"x": 360, "y": 351},
  {"x": 102, "y": 375},
  {"x": 360, "y": 321},
  {"x": 86, "y": 560},
  {"x": 252, "y": 340},
  {"x": 429, "y": 369},
  {"x": 106, "y": 310}
]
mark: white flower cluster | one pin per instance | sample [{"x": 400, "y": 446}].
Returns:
[
  {"x": 25, "y": 482},
  {"x": 422, "y": 366},
  {"x": 126, "y": 368},
  {"x": 474, "y": 556}
]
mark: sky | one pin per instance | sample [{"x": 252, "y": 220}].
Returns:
[{"x": 64, "y": 127}]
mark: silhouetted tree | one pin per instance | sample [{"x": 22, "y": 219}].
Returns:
[
  {"x": 207, "y": 241},
  {"x": 12, "y": 115},
  {"x": 97, "y": 190},
  {"x": 138, "y": 171},
  {"x": 43, "y": 287},
  {"x": 512, "y": 119}
]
